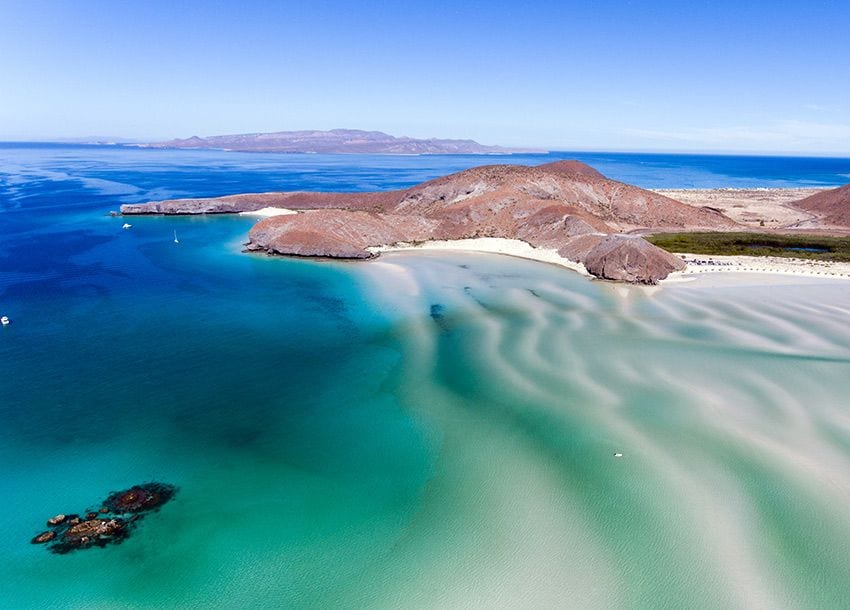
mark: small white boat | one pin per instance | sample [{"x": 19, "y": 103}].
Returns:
[
  {"x": 176, "y": 241},
  {"x": 126, "y": 226},
  {"x": 618, "y": 455},
  {"x": 5, "y": 321}
]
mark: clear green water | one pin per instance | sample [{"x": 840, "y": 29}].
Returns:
[
  {"x": 728, "y": 403},
  {"x": 420, "y": 431}
]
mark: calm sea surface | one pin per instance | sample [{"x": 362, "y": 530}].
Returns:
[{"x": 424, "y": 430}]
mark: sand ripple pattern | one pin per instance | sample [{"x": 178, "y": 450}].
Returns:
[{"x": 729, "y": 405}]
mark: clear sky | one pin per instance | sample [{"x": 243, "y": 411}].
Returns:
[{"x": 740, "y": 75}]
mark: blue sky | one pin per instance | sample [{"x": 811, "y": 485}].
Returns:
[{"x": 754, "y": 76}]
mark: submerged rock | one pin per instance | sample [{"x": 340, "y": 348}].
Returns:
[
  {"x": 100, "y": 528},
  {"x": 139, "y": 498},
  {"x": 96, "y": 532},
  {"x": 44, "y": 537},
  {"x": 56, "y": 520}
]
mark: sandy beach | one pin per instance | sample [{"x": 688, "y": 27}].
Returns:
[
  {"x": 491, "y": 245},
  {"x": 269, "y": 212},
  {"x": 697, "y": 264},
  {"x": 705, "y": 263}
]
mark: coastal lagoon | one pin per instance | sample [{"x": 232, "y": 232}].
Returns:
[{"x": 429, "y": 429}]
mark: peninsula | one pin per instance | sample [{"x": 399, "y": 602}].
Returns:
[
  {"x": 565, "y": 212},
  {"x": 565, "y": 207},
  {"x": 338, "y": 141}
]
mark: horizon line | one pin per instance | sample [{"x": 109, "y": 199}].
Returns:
[{"x": 534, "y": 150}]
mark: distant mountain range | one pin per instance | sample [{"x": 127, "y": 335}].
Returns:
[{"x": 338, "y": 141}]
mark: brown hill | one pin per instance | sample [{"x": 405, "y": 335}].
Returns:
[
  {"x": 506, "y": 194},
  {"x": 833, "y": 206},
  {"x": 566, "y": 206}
]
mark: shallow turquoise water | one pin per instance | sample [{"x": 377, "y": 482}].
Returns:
[{"x": 421, "y": 431}]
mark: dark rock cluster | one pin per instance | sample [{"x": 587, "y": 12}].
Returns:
[{"x": 109, "y": 524}]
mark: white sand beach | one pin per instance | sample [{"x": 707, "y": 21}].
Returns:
[
  {"x": 697, "y": 264},
  {"x": 703, "y": 263},
  {"x": 269, "y": 212},
  {"x": 492, "y": 245}
]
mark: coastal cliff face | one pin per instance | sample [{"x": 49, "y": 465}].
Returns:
[
  {"x": 566, "y": 206},
  {"x": 833, "y": 206},
  {"x": 336, "y": 141}
]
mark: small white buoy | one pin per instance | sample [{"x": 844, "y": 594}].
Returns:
[
  {"x": 126, "y": 226},
  {"x": 5, "y": 321},
  {"x": 618, "y": 455}
]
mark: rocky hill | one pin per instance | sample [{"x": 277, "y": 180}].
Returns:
[
  {"x": 832, "y": 207},
  {"x": 566, "y": 206},
  {"x": 336, "y": 141}
]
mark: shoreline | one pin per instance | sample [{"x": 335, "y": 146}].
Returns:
[
  {"x": 488, "y": 245},
  {"x": 269, "y": 212},
  {"x": 697, "y": 264}
]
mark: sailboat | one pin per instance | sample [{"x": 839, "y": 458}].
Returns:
[{"x": 176, "y": 241}]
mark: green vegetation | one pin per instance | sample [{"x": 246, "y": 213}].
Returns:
[{"x": 756, "y": 244}]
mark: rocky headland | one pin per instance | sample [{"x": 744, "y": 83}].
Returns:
[
  {"x": 565, "y": 206},
  {"x": 337, "y": 141}
]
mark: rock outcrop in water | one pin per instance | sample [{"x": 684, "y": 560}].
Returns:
[
  {"x": 832, "y": 206},
  {"x": 566, "y": 206},
  {"x": 107, "y": 525}
]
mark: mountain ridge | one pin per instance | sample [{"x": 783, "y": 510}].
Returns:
[{"x": 336, "y": 141}]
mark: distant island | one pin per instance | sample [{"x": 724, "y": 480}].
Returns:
[{"x": 338, "y": 141}]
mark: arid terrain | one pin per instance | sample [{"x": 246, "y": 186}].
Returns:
[
  {"x": 770, "y": 208},
  {"x": 832, "y": 207}
]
